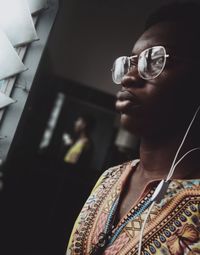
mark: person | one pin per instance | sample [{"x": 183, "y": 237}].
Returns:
[
  {"x": 80, "y": 151},
  {"x": 152, "y": 205}
]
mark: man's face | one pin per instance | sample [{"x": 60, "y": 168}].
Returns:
[{"x": 166, "y": 103}]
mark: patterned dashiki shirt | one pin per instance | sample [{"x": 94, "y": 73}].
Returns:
[{"x": 173, "y": 226}]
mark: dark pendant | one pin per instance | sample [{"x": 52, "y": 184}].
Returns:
[{"x": 99, "y": 248}]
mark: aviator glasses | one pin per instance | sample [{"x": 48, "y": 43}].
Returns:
[{"x": 150, "y": 64}]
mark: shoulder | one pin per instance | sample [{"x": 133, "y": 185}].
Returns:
[
  {"x": 112, "y": 174},
  {"x": 88, "y": 213}
]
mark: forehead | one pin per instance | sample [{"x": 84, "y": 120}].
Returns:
[{"x": 168, "y": 34}]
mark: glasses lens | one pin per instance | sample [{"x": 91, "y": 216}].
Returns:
[
  {"x": 120, "y": 68},
  {"x": 151, "y": 62}
]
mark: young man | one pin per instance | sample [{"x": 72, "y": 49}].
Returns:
[{"x": 127, "y": 212}]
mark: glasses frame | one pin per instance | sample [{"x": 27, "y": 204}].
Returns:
[{"x": 131, "y": 62}]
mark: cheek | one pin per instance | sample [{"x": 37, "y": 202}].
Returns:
[
  {"x": 160, "y": 103},
  {"x": 174, "y": 99},
  {"x": 178, "y": 80},
  {"x": 164, "y": 105},
  {"x": 172, "y": 86}
]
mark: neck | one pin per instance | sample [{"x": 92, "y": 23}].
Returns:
[
  {"x": 157, "y": 155},
  {"x": 83, "y": 135}
]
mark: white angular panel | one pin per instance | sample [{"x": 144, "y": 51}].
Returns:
[
  {"x": 5, "y": 100},
  {"x": 10, "y": 63},
  {"x": 16, "y": 21},
  {"x": 37, "y": 5}
]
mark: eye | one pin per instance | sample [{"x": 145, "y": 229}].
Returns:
[{"x": 158, "y": 61}]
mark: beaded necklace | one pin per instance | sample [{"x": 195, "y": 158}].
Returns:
[{"x": 107, "y": 237}]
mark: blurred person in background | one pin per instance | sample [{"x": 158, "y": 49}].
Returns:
[{"x": 80, "y": 150}]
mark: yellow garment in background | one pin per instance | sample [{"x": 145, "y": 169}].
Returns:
[{"x": 75, "y": 151}]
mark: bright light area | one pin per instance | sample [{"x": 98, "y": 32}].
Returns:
[
  {"x": 5, "y": 100},
  {"x": 16, "y": 21},
  {"x": 51, "y": 125},
  {"x": 10, "y": 63},
  {"x": 37, "y": 5}
]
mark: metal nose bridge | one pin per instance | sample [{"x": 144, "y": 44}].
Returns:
[
  {"x": 133, "y": 64},
  {"x": 133, "y": 60}
]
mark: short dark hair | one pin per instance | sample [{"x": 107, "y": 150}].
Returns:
[{"x": 176, "y": 11}]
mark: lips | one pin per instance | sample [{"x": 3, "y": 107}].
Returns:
[
  {"x": 127, "y": 95},
  {"x": 126, "y": 101}
]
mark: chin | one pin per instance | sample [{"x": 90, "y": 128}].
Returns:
[{"x": 130, "y": 124}]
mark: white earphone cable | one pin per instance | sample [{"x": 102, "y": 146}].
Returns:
[
  {"x": 161, "y": 188},
  {"x": 169, "y": 176},
  {"x": 171, "y": 171}
]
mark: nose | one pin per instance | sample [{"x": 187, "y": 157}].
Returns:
[{"x": 132, "y": 79}]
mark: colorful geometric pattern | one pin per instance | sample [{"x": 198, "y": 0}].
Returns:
[{"x": 172, "y": 228}]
